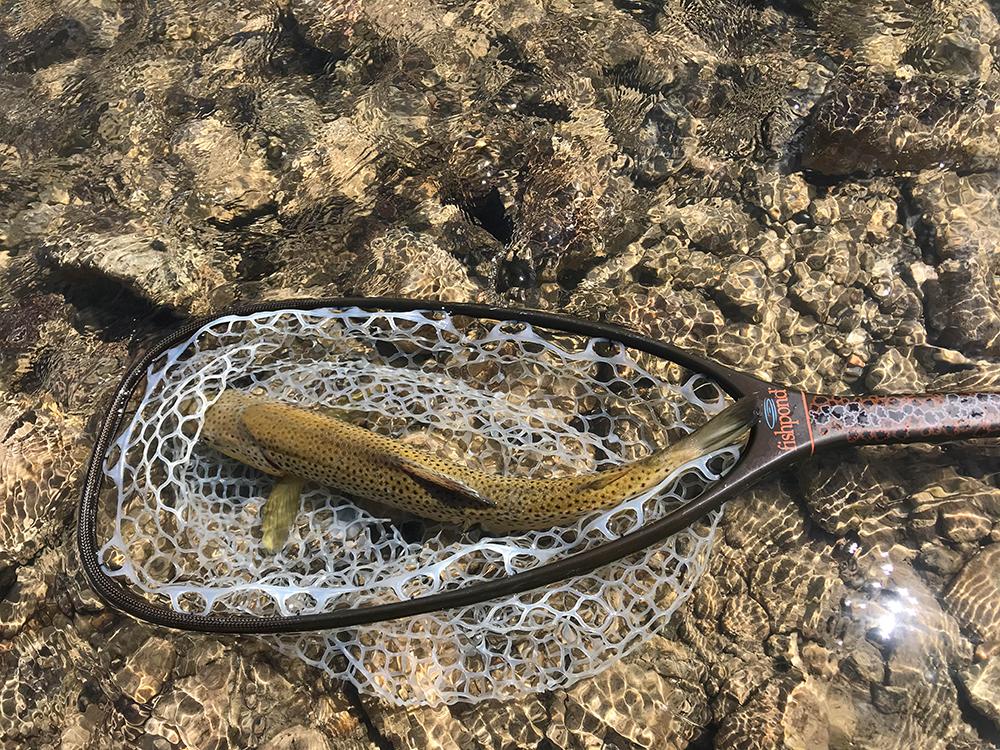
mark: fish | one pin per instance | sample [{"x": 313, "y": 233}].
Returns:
[{"x": 298, "y": 445}]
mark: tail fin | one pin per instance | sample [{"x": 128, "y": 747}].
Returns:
[{"x": 729, "y": 427}]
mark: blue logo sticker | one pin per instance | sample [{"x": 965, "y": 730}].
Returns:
[{"x": 770, "y": 413}]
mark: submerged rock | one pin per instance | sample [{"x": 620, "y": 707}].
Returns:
[
  {"x": 231, "y": 180},
  {"x": 173, "y": 274},
  {"x": 910, "y": 96},
  {"x": 875, "y": 121},
  {"x": 963, "y": 216},
  {"x": 628, "y": 701},
  {"x": 407, "y": 264},
  {"x": 974, "y": 597},
  {"x": 147, "y": 670},
  {"x": 982, "y": 685},
  {"x": 43, "y": 446}
]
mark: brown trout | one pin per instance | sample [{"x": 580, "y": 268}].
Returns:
[{"x": 298, "y": 445}]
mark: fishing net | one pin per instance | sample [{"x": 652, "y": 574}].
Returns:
[{"x": 180, "y": 525}]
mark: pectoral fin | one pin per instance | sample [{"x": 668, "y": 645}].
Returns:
[
  {"x": 602, "y": 479},
  {"x": 443, "y": 487},
  {"x": 280, "y": 509}
]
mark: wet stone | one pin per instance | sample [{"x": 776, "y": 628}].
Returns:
[
  {"x": 176, "y": 276},
  {"x": 742, "y": 673},
  {"x": 853, "y": 490},
  {"x": 500, "y": 724},
  {"x": 783, "y": 196},
  {"x": 745, "y": 619},
  {"x": 22, "y": 599},
  {"x": 744, "y": 286},
  {"x": 840, "y": 492},
  {"x": 298, "y": 737},
  {"x": 630, "y": 702},
  {"x": 889, "y": 700},
  {"x": 818, "y": 660},
  {"x": 765, "y": 522},
  {"x": 409, "y": 264},
  {"x": 781, "y": 646},
  {"x": 189, "y": 713},
  {"x": 41, "y": 445},
  {"x": 758, "y": 723},
  {"x": 229, "y": 173},
  {"x": 964, "y": 299},
  {"x": 895, "y": 372},
  {"x": 922, "y": 524},
  {"x": 146, "y": 671},
  {"x": 805, "y": 722},
  {"x": 974, "y": 597},
  {"x": 963, "y": 524},
  {"x": 422, "y": 727},
  {"x": 934, "y": 124},
  {"x": 940, "y": 559},
  {"x": 965, "y": 507},
  {"x": 981, "y": 683},
  {"x": 672, "y": 660},
  {"x": 333, "y": 715},
  {"x": 865, "y": 662}
]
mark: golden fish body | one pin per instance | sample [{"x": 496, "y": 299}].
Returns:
[{"x": 299, "y": 444}]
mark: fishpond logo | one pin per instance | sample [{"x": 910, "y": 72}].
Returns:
[
  {"x": 778, "y": 418},
  {"x": 770, "y": 413}
]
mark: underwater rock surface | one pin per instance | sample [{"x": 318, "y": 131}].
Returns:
[{"x": 807, "y": 191}]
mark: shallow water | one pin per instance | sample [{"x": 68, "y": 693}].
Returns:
[{"x": 806, "y": 191}]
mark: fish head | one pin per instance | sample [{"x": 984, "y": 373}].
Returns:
[{"x": 224, "y": 430}]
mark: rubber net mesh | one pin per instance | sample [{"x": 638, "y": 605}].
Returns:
[{"x": 181, "y": 523}]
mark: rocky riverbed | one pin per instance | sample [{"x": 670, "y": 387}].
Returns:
[{"x": 804, "y": 190}]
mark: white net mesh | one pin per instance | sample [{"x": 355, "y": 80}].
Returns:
[{"x": 182, "y": 522}]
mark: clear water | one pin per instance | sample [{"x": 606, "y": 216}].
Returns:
[{"x": 804, "y": 190}]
